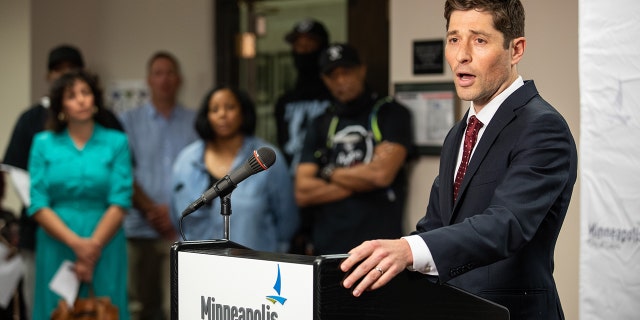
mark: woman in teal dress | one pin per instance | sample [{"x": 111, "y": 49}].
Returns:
[{"x": 81, "y": 185}]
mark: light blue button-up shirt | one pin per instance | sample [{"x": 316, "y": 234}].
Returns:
[
  {"x": 264, "y": 213},
  {"x": 155, "y": 143}
]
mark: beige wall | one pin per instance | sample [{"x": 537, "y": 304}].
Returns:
[
  {"x": 15, "y": 70},
  {"x": 551, "y": 59},
  {"x": 118, "y": 36}
]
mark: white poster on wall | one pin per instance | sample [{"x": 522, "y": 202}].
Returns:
[
  {"x": 122, "y": 95},
  {"x": 609, "y": 159}
]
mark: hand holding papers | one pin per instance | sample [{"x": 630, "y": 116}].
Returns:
[{"x": 65, "y": 283}]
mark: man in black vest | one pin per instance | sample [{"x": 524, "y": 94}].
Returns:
[{"x": 351, "y": 171}]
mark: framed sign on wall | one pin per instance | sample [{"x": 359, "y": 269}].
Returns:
[
  {"x": 428, "y": 57},
  {"x": 435, "y": 107}
]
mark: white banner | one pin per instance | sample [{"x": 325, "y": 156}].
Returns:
[{"x": 610, "y": 159}]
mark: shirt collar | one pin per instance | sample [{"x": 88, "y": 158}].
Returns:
[
  {"x": 249, "y": 144},
  {"x": 45, "y": 102},
  {"x": 151, "y": 111},
  {"x": 486, "y": 114}
]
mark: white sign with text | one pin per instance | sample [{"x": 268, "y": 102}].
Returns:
[{"x": 212, "y": 287}]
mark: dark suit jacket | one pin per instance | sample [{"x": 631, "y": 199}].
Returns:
[{"x": 497, "y": 239}]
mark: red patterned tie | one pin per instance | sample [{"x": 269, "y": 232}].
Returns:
[{"x": 470, "y": 138}]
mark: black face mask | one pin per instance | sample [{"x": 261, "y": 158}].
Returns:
[
  {"x": 307, "y": 63},
  {"x": 363, "y": 102}
]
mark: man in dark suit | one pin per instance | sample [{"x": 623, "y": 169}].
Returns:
[{"x": 490, "y": 230}]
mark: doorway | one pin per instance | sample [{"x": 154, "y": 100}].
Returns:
[{"x": 266, "y": 71}]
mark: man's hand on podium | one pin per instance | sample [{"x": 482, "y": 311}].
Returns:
[{"x": 379, "y": 261}]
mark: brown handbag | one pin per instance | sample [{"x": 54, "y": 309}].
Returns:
[{"x": 90, "y": 308}]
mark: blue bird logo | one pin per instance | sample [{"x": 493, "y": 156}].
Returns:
[{"x": 277, "y": 287}]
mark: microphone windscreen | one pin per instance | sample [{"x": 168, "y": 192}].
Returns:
[{"x": 262, "y": 159}]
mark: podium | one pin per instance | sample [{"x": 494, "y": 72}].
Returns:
[{"x": 221, "y": 280}]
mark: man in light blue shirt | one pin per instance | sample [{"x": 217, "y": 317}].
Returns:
[{"x": 158, "y": 131}]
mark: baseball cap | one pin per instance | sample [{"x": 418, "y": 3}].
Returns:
[
  {"x": 65, "y": 53},
  {"x": 311, "y": 27},
  {"x": 338, "y": 55}
]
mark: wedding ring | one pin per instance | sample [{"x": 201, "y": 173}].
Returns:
[{"x": 379, "y": 270}]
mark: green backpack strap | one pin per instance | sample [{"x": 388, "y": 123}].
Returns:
[{"x": 373, "y": 117}]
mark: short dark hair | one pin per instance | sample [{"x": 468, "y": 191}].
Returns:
[
  {"x": 508, "y": 15},
  {"x": 248, "y": 110},
  {"x": 56, "y": 96},
  {"x": 65, "y": 53},
  {"x": 163, "y": 55}
]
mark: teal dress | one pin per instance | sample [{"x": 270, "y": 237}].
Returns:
[{"x": 79, "y": 186}]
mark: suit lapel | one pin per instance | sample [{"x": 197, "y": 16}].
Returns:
[{"x": 449, "y": 162}]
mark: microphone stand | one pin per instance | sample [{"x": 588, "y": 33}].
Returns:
[{"x": 225, "y": 211}]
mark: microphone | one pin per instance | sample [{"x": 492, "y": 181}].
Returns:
[{"x": 260, "y": 160}]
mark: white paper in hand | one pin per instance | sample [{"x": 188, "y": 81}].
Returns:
[{"x": 65, "y": 283}]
